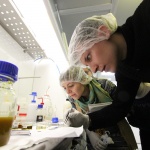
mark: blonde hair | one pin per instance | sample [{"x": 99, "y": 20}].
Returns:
[{"x": 75, "y": 74}]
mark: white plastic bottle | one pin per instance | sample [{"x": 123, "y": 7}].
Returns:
[
  {"x": 54, "y": 116},
  {"x": 32, "y": 109},
  {"x": 48, "y": 108},
  {"x": 40, "y": 113},
  {"x": 22, "y": 107}
]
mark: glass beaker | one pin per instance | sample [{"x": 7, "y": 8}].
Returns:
[{"x": 8, "y": 75}]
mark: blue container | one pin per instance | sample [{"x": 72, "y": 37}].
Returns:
[{"x": 55, "y": 120}]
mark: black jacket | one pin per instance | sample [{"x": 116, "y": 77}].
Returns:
[{"x": 130, "y": 72}]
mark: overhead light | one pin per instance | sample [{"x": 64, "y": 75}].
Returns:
[
  {"x": 13, "y": 23},
  {"x": 34, "y": 15}
]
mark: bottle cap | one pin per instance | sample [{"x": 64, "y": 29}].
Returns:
[
  {"x": 22, "y": 114},
  {"x": 8, "y": 70},
  {"x": 40, "y": 106},
  {"x": 54, "y": 119},
  {"x": 34, "y": 93},
  {"x": 33, "y": 101}
]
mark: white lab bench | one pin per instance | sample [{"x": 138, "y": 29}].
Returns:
[
  {"x": 59, "y": 138},
  {"x": 51, "y": 144},
  {"x": 60, "y": 144}
]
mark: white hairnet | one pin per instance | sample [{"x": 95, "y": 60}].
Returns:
[
  {"x": 87, "y": 33},
  {"x": 75, "y": 74}
]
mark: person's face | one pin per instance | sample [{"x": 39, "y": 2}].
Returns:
[
  {"x": 73, "y": 89},
  {"x": 101, "y": 57}
]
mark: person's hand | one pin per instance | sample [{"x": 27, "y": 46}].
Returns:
[
  {"x": 106, "y": 139},
  {"x": 96, "y": 141},
  {"x": 66, "y": 110},
  {"x": 77, "y": 119},
  {"x": 65, "y": 116}
]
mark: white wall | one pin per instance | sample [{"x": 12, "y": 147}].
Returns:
[
  {"x": 46, "y": 70},
  {"x": 43, "y": 77},
  {"x": 46, "y": 76}
]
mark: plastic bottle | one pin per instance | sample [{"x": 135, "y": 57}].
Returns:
[
  {"x": 44, "y": 111},
  {"x": 23, "y": 106},
  {"x": 48, "y": 108},
  {"x": 40, "y": 113},
  {"x": 54, "y": 116},
  {"x": 21, "y": 119},
  {"x": 8, "y": 75},
  {"x": 32, "y": 109},
  {"x": 21, "y": 111}
]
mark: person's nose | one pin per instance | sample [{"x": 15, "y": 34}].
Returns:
[
  {"x": 96, "y": 68},
  {"x": 93, "y": 68},
  {"x": 68, "y": 91},
  {"x": 101, "y": 68}
]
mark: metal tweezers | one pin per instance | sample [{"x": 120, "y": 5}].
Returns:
[{"x": 67, "y": 116}]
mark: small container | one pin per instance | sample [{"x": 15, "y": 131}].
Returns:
[
  {"x": 21, "y": 120},
  {"x": 8, "y": 75},
  {"x": 40, "y": 113},
  {"x": 22, "y": 105},
  {"x": 41, "y": 125},
  {"x": 48, "y": 108},
  {"x": 32, "y": 109},
  {"x": 55, "y": 120}
]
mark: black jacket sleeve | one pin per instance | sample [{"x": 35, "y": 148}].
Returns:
[
  {"x": 135, "y": 31},
  {"x": 122, "y": 102}
]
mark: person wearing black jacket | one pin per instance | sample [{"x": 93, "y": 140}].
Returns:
[{"x": 97, "y": 42}]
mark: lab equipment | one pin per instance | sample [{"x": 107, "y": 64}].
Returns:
[
  {"x": 54, "y": 118},
  {"x": 8, "y": 75},
  {"x": 22, "y": 106},
  {"x": 67, "y": 116},
  {"x": 21, "y": 113},
  {"x": 32, "y": 109},
  {"x": 48, "y": 107},
  {"x": 40, "y": 113}
]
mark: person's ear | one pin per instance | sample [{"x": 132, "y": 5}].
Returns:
[{"x": 105, "y": 31}]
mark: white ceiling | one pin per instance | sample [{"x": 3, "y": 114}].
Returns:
[{"x": 68, "y": 13}]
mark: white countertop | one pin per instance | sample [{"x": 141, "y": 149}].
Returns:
[{"x": 51, "y": 137}]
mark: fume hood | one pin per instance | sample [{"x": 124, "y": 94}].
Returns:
[{"x": 25, "y": 44}]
